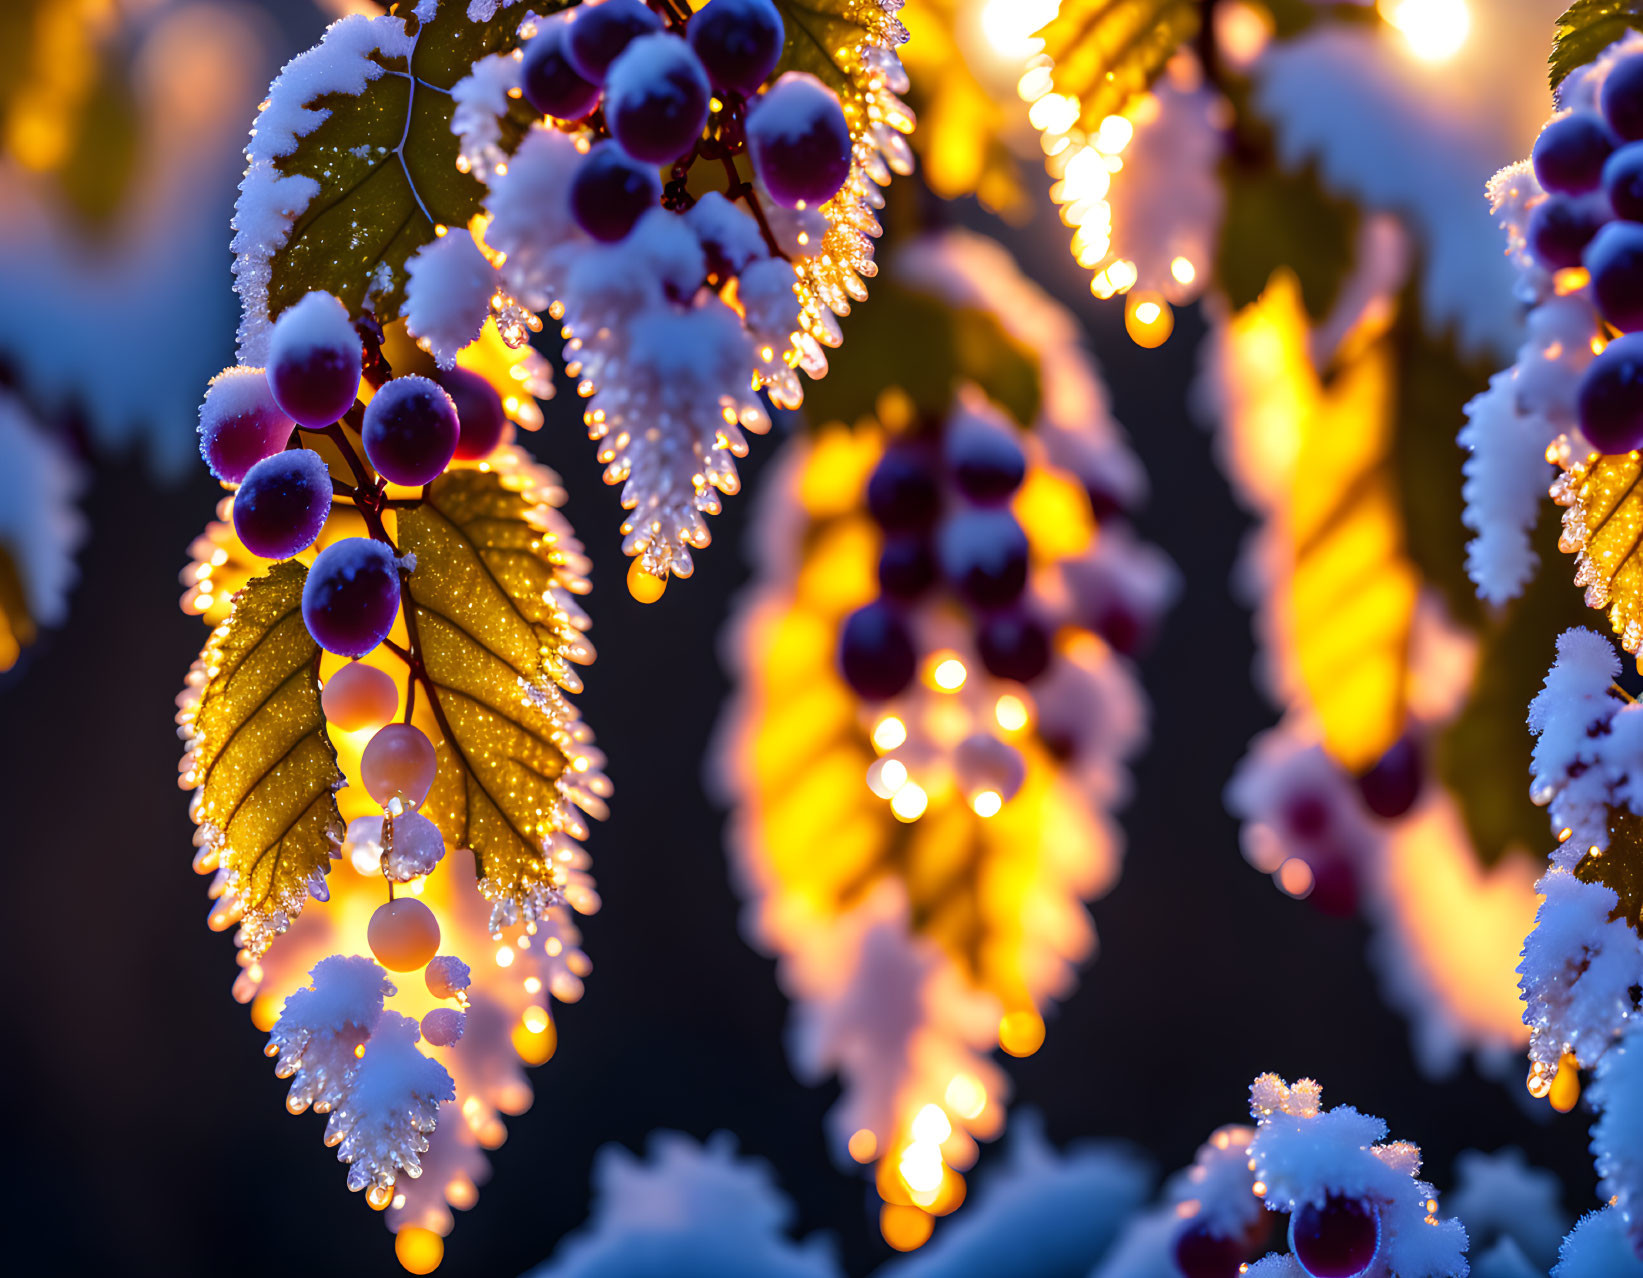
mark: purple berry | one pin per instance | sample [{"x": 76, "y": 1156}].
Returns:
[
  {"x": 1014, "y": 645},
  {"x": 907, "y": 567},
  {"x": 240, "y": 423},
  {"x": 984, "y": 458},
  {"x": 410, "y": 431},
  {"x": 1561, "y": 226},
  {"x": 876, "y": 652},
  {"x": 656, "y": 98},
  {"x": 314, "y": 359},
  {"x": 609, "y": 192},
  {"x": 1393, "y": 785},
  {"x": 281, "y": 508},
  {"x": 1615, "y": 259},
  {"x": 1611, "y": 397},
  {"x": 1570, "y": 151},
  {"x": 478, "y": 412},
  {"x": 1623, "y": 181},
  {"x": 739, "y": 42},
  {"x": 1621, "y": 98},
  {"x": 600, "y": 33},
  {"x": 1305, "y": 815},
  {"x": 351, "y": 596},
  {"x": 1201, "y": 1254},
  {"x": 902, "y": 494},
  {"x": 1338, "y": 1238},
  {"x": 983, "y": 554},
  {"x": 1334, "y": 885},
  {"x": 551, "y": 84},
  {"x": 799, "y": 140}
]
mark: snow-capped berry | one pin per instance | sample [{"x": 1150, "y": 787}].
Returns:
[
  {"x": 984, "y": 458},
  {"x": 281, "y": 507},
  {"x": 550, "y": 82},
  {"x": 399, "y": 763},
  {"x": 738, "y": 41},
  {"x": 358, "y": 697},
  {"x": 799, "y": 140},
  {"x": 1200, "y": 1254},
  {"x": 240, "y": 423},
  {"x": 1610, "y": 403},
  {"x": 479, "y": 414},
  {"x": 600, "y": 33},
  {"x": 982, "y": 762},
  {"x": 1014, "y": 645},
  {"x": 1561, "y": 226},
  {"x": 447, "y": 976},
  {"x": 417, "y": 848},
  {"x": 403, "y": 934},
  {"x": 610, "y": 191},
  {"x": 351, "y": 597},
  {"x": 1621, "y": 97},
  {"x": 656, "y": 98},
  {"x": 876, "y": 652},
  {"x": 314, "y": 360},
  {"x": 1334, "y": 884},
  {"x": 1623, "y": 181},
  {"x": 443, "y": 1026},
  {"x": 1570, "y": 151},
  {"x": 1305, "y": 813},
  {"x": 1393, "y": 785},
  {"x": 729, "y": 237},
  {"x": 907, "y": 566},
  {"x": 983, "y": 555},
  {"x": 902, "y": 494},
  {"x": 1338, "y": 1238},
  {"x": 410, "y": 431},
  {"x": 1615, "y": 260}
]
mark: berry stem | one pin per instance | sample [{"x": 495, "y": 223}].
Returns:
[{"x": 741, "y": 189}]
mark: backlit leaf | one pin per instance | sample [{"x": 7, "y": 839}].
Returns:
[
  {"x": 16, "y": 626},
  {"x": 263, "y": 769},
  {"x": 1586, "y": 28},
  {"x": 1107, "y": 51},
  {"x": 1603, "y": 529}
]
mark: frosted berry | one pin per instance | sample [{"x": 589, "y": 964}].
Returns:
[
  {"x": 314, "y": 360},
  {"x": 610, "y": 191},
  {"x": 1336, "y": 1239},
  {"x": 482, "y": 422},
  {"x": 1623, "y": 181},
  {"x": 601, "y": 32},
  {"x": 443, "y": 1026},
  {"x": 281, "y": 507},
  {"x": 399, "y": 763},
  {"x": 1622, "y": 97},
  {"x": 907, "y": 566},
  {"x": 799, "y": 140},
  {"x": 1305, "y": 814},
  {"x": 982, "y": 762},
  {"x": 738, "y": 41},
  {"x": 351, "y": 596},
  {"x": 240, "y": 423},
  {"x": 902, "y": 493},
  {"x": 1393, "y": 785},
  {"x": 984, "y": 458},
  {"x": 550, "y": 83},
  {"x": 876, "y": 652},
  {"x": 1201, "y": 1254},
  {"x": 1570, "y": 151},
  {"x": 1561, "y": 226},
  {"x": 358, "y": 697},
  {"x": 1334, "y": 885},
  {"x": 1615, "y": 259},
  {"x": 983, "y": 555},
  {"x": 447, "y": 976},
  {"x": 1014, "y": 645},
  {"x": 415, "y": 848},
  {"x": 410, "y": 431},
  {"x": 403, "y": 935},
  {"x": 1610, "y": 403},
  {"x": 656, "y": 99}
]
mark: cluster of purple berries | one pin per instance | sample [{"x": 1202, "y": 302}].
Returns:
[
  {"x": 411, "y": 430},
  {"x": 651, "y": 89},
  {"x": 1339, "y": 1237},
  {"x": 1590, "y": 163}
]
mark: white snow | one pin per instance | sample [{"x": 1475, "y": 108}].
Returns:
[
  {"x": 40, "y": 524},
  {"x": 1598, "y": 1247},
  {"x": 1507, "y": 476},
  {"x": 417, "y": 848},
  {"x": 448, "y": 294}
]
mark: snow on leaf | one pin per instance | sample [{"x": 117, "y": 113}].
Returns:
[
  {"x": 1107, "y": 51},
  {"x": 1603, "y": 529},
  {"x": 262, "y": 768},
  {"x": 1586, "y": 28},
  {"x": 353, "y": 163},
  {"x": 40, "y": 528},
  {"x": 491, "y": 605},
  {"x": 1617, "y": 1136}
]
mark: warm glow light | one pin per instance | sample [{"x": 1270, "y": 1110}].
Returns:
[
  {"x": 910, "y": 802},
  {"x": 1565, "y": 1093},
  {"x": 886, "y": 777},
  {"x": 988, "y": 803},
  {"x": 1009, "y": 25},
  {"x": 1184, "y": 271},
  {"x": 863, "y": 1145},
  {"x": 965, "y": 1096},
  {"x": 889, "y": 732},
  {"x": 1435, "y": 29},
  {"x": 921, "y": 1167},
  {"x": 536, "y": 1019},
  {"x": 1148, "y": 319},
  {"x": 1021, "y": 1033},
  {"x": 1011, "y": 712},
  {"x": 1295, "y": 877},
  {"x": 419, "y": 1250},
  {"x": 1114, "y": 134},
  {"x": 905, "y": 1228},
  {"x": 949, "y": 674},
  {"x": 1148, "y": 312},
  {"x": 931, "y": 1125},
  {"x": 504, "y": 956}
]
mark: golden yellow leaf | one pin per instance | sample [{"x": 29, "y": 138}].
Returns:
[
  {"x": 1602, "y": 528},
  {"x": 491, "y": 613},
  {"x": 261, "y": 765},
  {"x": 16, "y": 625},
  {"x": 1107, "y": 51}
]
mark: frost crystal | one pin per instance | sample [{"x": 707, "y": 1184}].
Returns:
[
  {"x": 390, "y": 1102},
  {"x": 321, "y": 1029},
  {"x": 1598, "y": 1247}
]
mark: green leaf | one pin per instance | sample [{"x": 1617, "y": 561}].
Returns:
[
  {"x": 494, "y": 637},
  {"x": 263, "y": 767},
  {"x": 1107, "y": 51},
  {"x": 1278, "y": 219},
  {"x": 1586, "y": 28},
  {"x": 1620, "y": 867},
  {"x": 824, "y": 38}
]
